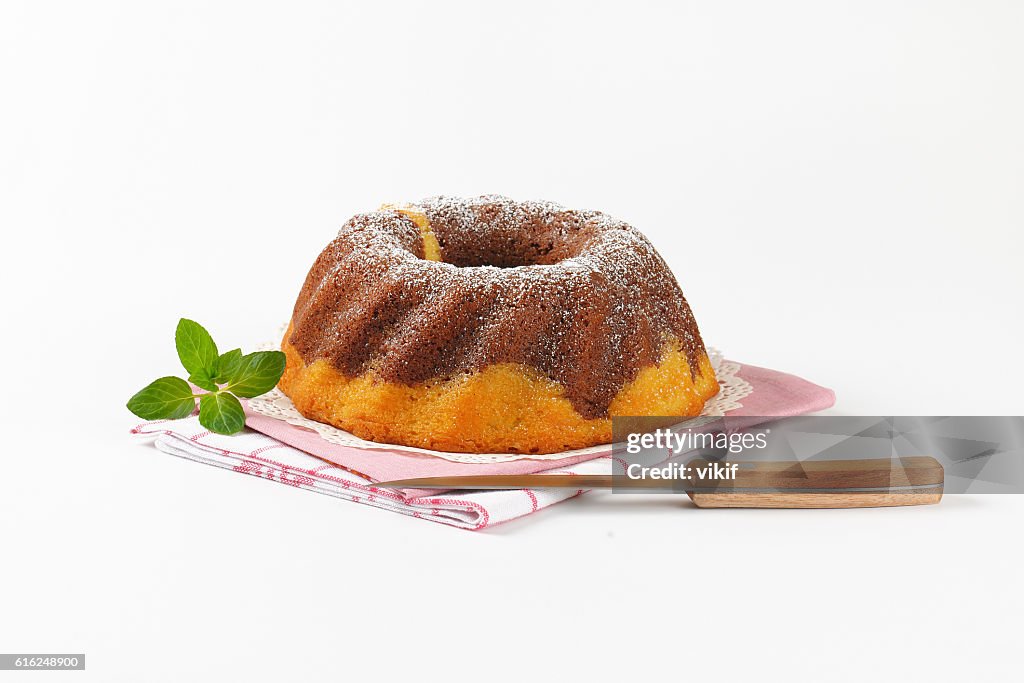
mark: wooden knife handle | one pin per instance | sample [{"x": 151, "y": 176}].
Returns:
[{"x": 881, "y": 482}]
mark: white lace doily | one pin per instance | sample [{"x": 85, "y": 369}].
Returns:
[{"x": 276, "y": 405}]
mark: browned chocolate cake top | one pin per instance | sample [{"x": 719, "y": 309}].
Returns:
[{"x": 582, "y": 297}]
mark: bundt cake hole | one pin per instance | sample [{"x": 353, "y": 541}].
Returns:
[{"x": 498, "y": 247}]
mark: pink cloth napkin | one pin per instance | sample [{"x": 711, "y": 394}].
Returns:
[
  {"x": 258, "y": 455},
  {"x": 295, "y": 456}
]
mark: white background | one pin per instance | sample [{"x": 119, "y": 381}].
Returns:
[{"x": 837, "y": 187}]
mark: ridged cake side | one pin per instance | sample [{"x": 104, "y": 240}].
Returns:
[{"x": 503, "y": 408}]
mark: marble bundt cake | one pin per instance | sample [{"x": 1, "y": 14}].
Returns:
[{"x": 491, "y": 326}]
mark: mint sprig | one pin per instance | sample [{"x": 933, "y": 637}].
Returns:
[{"x": 225, "y": 376}]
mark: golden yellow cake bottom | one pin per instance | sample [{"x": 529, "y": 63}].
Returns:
[{"x": 504, "y": 408}]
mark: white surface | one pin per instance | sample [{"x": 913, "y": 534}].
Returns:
[{"x": 857, "y": 165}]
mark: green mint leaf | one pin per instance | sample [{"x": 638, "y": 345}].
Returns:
[
  {"x": 227, "y": 366},
  {"x": 196, "y": 349},
  {"x": 221, "y": 413},
  {"x": 203, "y": 380},
  {"x": 258, "y": 373},
  {"x": 168, "y": 398}
]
